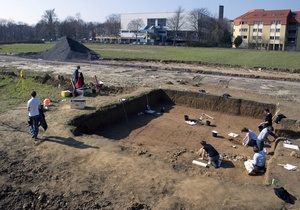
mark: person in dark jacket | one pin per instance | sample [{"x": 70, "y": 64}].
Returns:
[
  {"x": 213, "y": 155},
  {"x": 268, "y": 122}
]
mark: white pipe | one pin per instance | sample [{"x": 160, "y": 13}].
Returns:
[{"x": 199, "y": 163}]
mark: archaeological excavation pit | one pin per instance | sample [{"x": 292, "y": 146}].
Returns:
[
  {"x": 167, "y": 136},
  {"x": 132, "y": 111}
]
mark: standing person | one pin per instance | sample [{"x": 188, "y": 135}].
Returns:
[
  {"x": 80, "y": 81},
  {"x": 250, "y": 138},
  {"x": 263, "y": 137},
  {"x": 33, "y": 106},
  {"x": 76, "y": 75},
  {"x": 268, "y": 120},
  {"x": 213, "y": 155}
]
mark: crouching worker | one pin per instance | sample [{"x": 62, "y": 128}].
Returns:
[
  {"x": 213, "y": 155},
  {"x": 257, "y": 165},
  {"x": 250, "y": 137}
]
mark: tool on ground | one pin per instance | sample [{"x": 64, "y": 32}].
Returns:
[{"x": 208, "y": 116}]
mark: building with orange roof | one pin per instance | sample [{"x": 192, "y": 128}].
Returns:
[{"x": 269, "y": 29}]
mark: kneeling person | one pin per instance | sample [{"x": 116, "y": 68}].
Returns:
[
  {"x": 258, "y": 162},
  {"x": 213, "y": 155}
]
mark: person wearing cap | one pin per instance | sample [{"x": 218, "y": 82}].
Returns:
[
  {"x": 33, "y": 106},
  {"x": 213, "y": 155}
]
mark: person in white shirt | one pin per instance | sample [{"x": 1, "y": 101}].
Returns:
[
  {"x": 257, "y": 164},
  {"x": 259, "y": 159},
  {"x": 33, "y": 106}
]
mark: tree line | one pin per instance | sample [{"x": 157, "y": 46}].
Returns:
[
  {"x": 205, "y": 28},
  {"x": 49, "y": 28}
]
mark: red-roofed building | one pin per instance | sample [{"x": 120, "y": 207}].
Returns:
[{"x": 269, "y": 29}]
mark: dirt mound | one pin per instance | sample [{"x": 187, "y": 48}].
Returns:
[{"x": 67, "y": 49}]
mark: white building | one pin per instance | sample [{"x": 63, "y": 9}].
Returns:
[{"x": 155, "y": 27}]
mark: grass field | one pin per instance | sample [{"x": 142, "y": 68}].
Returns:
[
  {"x": 15, "y": 91},
  {"x": 240, "y": 57}
]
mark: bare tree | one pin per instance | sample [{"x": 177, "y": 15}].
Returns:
[
  {"x": 50, "y": 22},
  {"x": 200, "y": 22},
  {"x": 15, "y": 32},
  {"x": 68, "y": 27},
  {"x": 176, "y": 22},
  {"x": 135, "y": 26},
  {"x": 113, "y": 25}
]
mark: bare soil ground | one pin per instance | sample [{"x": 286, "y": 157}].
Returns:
[{"x": 146, "y": 162}]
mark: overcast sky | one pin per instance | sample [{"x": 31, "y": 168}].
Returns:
[{"x": 31, "y": 11}]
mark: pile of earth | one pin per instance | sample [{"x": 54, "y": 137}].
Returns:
[{"x": 67, "y": 49}]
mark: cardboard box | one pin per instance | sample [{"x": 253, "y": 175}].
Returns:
[{"x": 77, "y": 103}]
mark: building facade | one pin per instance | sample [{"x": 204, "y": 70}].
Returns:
[
  {"x": 155, "y": 28},
  {"x": 195, "y": 27},
  {"x": 269, "y": 29}
]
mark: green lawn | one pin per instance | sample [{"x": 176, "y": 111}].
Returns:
[
  {"x": 15, "y": 91},
  {"x": 241, "y": 57}
]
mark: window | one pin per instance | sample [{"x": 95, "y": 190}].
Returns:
[
  {"x": 273, "y": 15},
  {"x": 260, "y": 30},
  {"x": 278, "y": 22},
  {"x": 272, "y": 30},
  {"x": 277, "y": 29},
  {"x": 281, "y": 14},
  {"x": 271, "y": 37},
  {"x": 243, "y": 23},
  {"x": 254, "y": 29},
  {"x": 255, "y": 15},
  {"x": 257, "y": 22},
  {"x": 244, "y": 37},
  {"x": 162, "y": 22},
  {"x": 256, "y": 37},
  {"x": 264, "y": 14},
  {"x": 151, "y": 22},
  {"x": 273, "y": 22},
  {"x": 243, "y": 29},
  {"x": 277, "y": 37}
]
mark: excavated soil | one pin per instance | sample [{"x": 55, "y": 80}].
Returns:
[{"x": 141, "y": 161}]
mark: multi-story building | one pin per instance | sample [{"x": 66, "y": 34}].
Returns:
[
  {"x": 156, "y": 29},
  {"x": 269, "y": 29}
]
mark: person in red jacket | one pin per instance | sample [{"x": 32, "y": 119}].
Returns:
[{"x": 80, "y": 81}]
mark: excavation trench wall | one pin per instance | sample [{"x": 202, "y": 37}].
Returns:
[{"x": 121, "y": 111}]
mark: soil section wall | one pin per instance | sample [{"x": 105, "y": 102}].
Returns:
[{"x": 100, "y": 119}]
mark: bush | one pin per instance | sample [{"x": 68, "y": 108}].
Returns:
[{"x": 238, "y": 41}]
